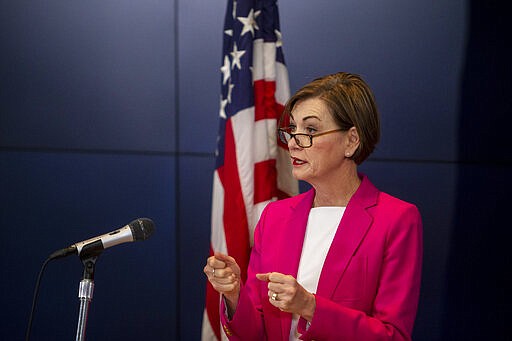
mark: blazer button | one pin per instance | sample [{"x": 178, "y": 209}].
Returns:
[{"x": 227, "y": 331}]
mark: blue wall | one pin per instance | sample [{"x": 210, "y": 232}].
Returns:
[{"x": 108, "y": 112}]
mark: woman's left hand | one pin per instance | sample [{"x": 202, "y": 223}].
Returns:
[{"x": 285, "y": 293}]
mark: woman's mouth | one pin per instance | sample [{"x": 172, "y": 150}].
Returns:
[{"x": 297, "y": 162}]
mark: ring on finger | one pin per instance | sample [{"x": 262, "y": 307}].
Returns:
[
  {"x": 213, "y": 272},
  {"x": 274, "y": 297}
]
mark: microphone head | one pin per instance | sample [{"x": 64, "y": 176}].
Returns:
[{"x": 142, "y": 228}]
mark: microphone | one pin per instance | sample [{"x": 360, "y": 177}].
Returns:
[{"x": 139, "y": 229}]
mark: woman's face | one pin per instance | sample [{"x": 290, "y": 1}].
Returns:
[{"x": 326, "y": 157}]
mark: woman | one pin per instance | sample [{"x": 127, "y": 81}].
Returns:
[{"x": 341, "y": 261}]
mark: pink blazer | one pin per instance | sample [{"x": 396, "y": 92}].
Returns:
[{"x": 369, "y": 284}]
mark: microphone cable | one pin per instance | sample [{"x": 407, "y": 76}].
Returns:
[{"x": 34, "y": 299}]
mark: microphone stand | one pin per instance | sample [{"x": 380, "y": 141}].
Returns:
[{"x": 88, "y": 256}]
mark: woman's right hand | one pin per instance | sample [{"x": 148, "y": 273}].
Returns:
[{"x": 224, "y": 274}]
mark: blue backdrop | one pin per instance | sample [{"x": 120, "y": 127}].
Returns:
[{"x": 108, "y": 112}]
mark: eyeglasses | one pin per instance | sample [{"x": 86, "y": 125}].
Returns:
[{"x": 302, "y": 140}]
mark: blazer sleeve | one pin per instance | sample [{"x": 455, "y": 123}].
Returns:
[
  {"x": 396, "y": 300},
  {"x": 247, "y": 322}
]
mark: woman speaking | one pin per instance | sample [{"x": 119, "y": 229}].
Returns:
[{"x": 341, "y": 261}]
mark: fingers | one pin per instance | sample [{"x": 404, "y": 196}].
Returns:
[
  {"x": 220, "y": 261},
  {"x": 223, "y": 273},
  {"x": 275, "y": 277},
  {"x": 223, "y": 257},
  {"x": 217, "y": 273},
  {"x": 224, "y": 285},
  {"x": 278, "y": 284},
  {"x": 262, "y": 277},
  {"x": 228, "y": 261},
  {"x": 282, "y": 291},
  {"x": 216, "y": 263},
  {"x": 278, "y": 299}
]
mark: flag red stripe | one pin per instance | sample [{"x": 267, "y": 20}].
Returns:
[
  {"x": 265, "y": 180},
  {"x": 264, "y": 101}
]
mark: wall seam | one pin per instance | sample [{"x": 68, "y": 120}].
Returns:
[{"x": 177, "y": 167}]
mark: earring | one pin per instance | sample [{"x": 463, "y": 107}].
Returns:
[{"x": 347, "y": 154}]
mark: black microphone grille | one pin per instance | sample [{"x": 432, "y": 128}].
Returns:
[{"x": 142, "y": 228}]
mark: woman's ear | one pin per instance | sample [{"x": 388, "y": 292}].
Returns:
[{"x": 353, "y": 139}]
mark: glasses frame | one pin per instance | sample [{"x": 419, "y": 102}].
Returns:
[{"x": 282, "y": 137}]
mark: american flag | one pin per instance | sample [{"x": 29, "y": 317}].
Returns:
[{"x": 251, "y": 168}]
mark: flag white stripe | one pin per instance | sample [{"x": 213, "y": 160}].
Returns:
[
  {"x": 243, "y": 130},
  {"x": 218, "y": 237},
  {"x": 207, "y": 333},
  {"x": 265, "y": 66},
  {"x": 282, "y": 84},
  {"x": 265, "y": 135},
  {"x": 269, "y": 62}
]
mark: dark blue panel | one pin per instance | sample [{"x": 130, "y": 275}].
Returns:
[
  {"x": 432, "y": 188},
  {"x": 93, "y": 75},
  {"x": 200, "y": 58},
  {"x": 196, "y": 175},
  {"x": 478, "y": 300},
  {"x": 410, "y": 52},
  {"x": 50, "y": 201}
]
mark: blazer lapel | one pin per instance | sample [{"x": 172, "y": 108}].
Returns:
[
  {"x": 288, "y": 257},
  {"x": 351, "y": 231}
]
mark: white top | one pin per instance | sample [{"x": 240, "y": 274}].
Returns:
[{"x": 320, "y": 230}]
